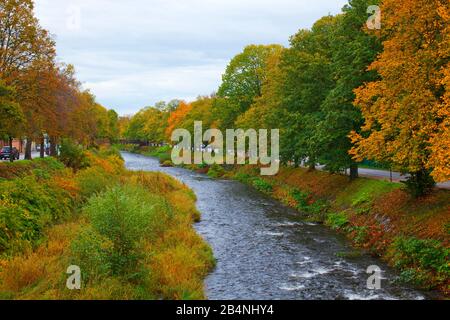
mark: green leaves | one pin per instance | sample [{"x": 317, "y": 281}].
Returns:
[
  {"x": 124, "y": 216},
  {"x": 306, "y": 79},
  {"x": 243, "y": 81},
  {"x": 421, "y": 260},
  {"x": 11, "y": 116}
]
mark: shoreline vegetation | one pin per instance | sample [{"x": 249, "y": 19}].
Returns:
[
  {"x": 380, "y": 217},
  {"x": 131, "y": 233}
]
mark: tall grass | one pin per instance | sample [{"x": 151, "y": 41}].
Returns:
[{"x": 133, "y": 239}]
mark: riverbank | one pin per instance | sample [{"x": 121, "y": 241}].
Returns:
[
  {"x": 131, "y": 233},
  {"x": 380, "y": 217}
]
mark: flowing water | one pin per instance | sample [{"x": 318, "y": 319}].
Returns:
[{"x": 265, "y": 252}]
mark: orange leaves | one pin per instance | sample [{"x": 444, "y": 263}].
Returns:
[
  {"x": 68, "y": 184},
  {"x": 177, "y": 117},
  {"x": 440, "y": 141},
  {"x": 406, "y": 120}
]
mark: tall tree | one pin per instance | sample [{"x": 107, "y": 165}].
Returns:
[
  {"x": 403, "y": 110},
  {"x": 353, "y": 49},
  {"x": 37, "y": 86},
  {"x": 24, "y": 48},
  {"x": 11, "y": 116},
  {"x": 123, "y": 124},
  {"x": 242, "y": 82},
  {"x": 62, "y": 121},
  {"x": 264, "y": 112},
  {"x": 440, "y": 141},
  {"x": 149, "y": 124},
  {"x": 176, "y": 118},
  {"x": 22, "y": 40},
  {"x": 113, "y": 126},
  {"x": 305, "y": 83}
]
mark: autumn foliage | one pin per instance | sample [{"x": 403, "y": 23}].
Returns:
[
  {"x": 177, "y": 117},
  {"x": 406, "y": 112},
  {"x": 46, "y": 96}
]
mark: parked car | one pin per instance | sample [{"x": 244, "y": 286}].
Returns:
[{"x": 6, "y": 152}]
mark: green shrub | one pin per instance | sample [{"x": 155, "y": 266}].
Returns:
[
  {"x": 91, "y": 252},
  {"x": 243, "y": 177},
  {"x": 164, "y": 158},
  {"x": 318, "y": 210},
  {"x": 216, "y": 171},
  {"x": 39, "y": 199},
  {"x": 315, "y": 209},
  {"x": 17, "y": 227},
  {"x": 105, "y": 153},
  {"x": 420, "y": 183},
  {"x": 262, "y": 185},
  {"x": 361, "y": 234},
  {"x": 28, "y": 205},
  {"x": 301, "y": 198},
  {"x": 73, "y": 155},
  {"x": 94, "y": 180},
  {"x": 415, "y": 277},
  {"x": 203, "y": 165},
  {"x": 162, "y": 153},
  {"x": 167, "y": 164},
  {"x": 24, "y": 168},
  {"x": 125, "y": 215},
  {"x": 42, "y": 174},
  {"x": 162, "y": 150},
  {"x": 49, "y": 163},
  {"x": 337, "y": 220},
  {"x": 421, "y": 260}
]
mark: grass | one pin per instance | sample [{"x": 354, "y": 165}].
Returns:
[
  {"x": 362, "y": 192},
  {"x": 130, "y": 232},
  {"x": 337, "y": 220}
]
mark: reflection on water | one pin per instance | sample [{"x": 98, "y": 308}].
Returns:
[{"x": 265, "y": 252}]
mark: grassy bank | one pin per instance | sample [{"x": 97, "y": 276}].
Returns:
[
  {"x": 412, "y": 235},
  {"x": 130, "y": 233}
]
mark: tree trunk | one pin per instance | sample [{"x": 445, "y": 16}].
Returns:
[
  {"x": 296, "y": 162},
  {"x": 28, "y": 149},
  {"x": 42, "y": 151},
  {"x": 53, "y": 152},
  {"x": 354, "y": 174},
  {"x": 11, "y": 156},
  {"x": 420, "y": 183}
]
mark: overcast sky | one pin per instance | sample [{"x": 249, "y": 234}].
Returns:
[{"x": 134, "y": 53}]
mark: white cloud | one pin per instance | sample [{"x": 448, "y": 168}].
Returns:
[{"x": 134, "y": 53}]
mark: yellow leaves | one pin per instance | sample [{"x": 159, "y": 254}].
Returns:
[
  {"x": 406, "y": 123},
  {"x": 440, "y": 140}
]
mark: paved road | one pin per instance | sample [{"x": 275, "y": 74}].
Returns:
[
  {"x": 34, "y": 155},
  {"x": 397, "y": 177},
  {"x": 386, "y": 175}
]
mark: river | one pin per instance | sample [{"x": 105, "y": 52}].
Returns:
[{"x": 265, "y": 252}]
